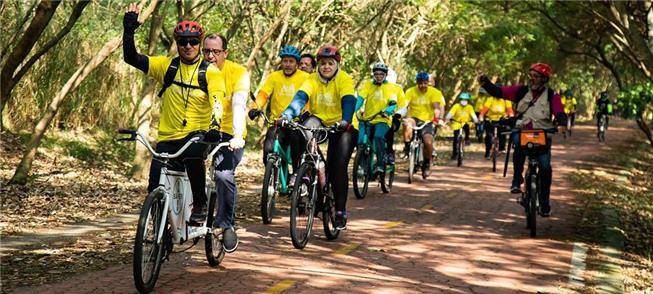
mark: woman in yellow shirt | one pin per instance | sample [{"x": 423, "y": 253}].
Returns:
[
  {"x": 330, "y": 94},
  {"x": 495, "y": 109},
  {"x": 461, "y": 115}
]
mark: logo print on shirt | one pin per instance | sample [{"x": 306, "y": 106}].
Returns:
[
  {"x": 326, "y": 99},
  {"x": 287, "y": 91}
]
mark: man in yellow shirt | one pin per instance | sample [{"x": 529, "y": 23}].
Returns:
[
  {"x": 378, "y": 99},
  {"x": 494, "y": 109},
  {"x": 232, "y": 129},
  {"x": 461, "y": 115},
  {"x": 425, "y": 104},
  {"x": 186, "y": 108},
  {"x": 569, "y": 103},
  {"x": 280, "y": 87},
  {"x": 307, "y": 63}
]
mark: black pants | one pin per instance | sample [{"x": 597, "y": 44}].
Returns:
[
  {"x": 607, "y": 120},
  {"x": 286, "y": 137},
  {"x": 192, "y": 159},
  {"x": 341, "y": 146},
  {"x": 455, "y": 137},
  {"x": 489, "y": 131}
]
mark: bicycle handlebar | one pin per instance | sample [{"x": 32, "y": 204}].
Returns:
[
  {"x": 137, "y": 136},
  {"x": 518, "y": 130}
]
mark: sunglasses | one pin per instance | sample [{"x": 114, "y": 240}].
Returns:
[
  {"x": 215, "y": 52},
  {"x": 186, "y": 41}
]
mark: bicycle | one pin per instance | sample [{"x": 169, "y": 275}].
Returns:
[
  {"x": 602, "y": 127},
  {"x": 276, "y": 177},
  {"x": 494, "y": 150},
  {"x": 460, "y": 147},
  {"x": 164, "y": 217},
  {"x": 533, "y": 143},
  {"x": 480, "y": 129},
  {"x": 312, "y": 190},
  {"x": 567, "y": 132},
  {"x": 364, "y": 163},
  {"x": 415, "y": 153}
]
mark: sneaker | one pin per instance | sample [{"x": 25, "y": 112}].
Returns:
[
  {"x": 379, "y": 170},
  {"x": 341, "y": 221},
  {"x": 515, "y": 189},
  {"x": 391, "y": 158},
  {"x": 426, "y": 169},
  {"x": 229, "y": 240},
  {"x": 291, "y": 182},
  {"x": 198, "y": 215},
  {"x": 487, "y": 156},
  {"x": 544, "y": 213}
]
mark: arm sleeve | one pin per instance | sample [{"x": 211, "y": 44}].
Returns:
[
  {"x": 348, "y": 103},
  {"x": 359, "y": 103},
  {"x": 261, "y": 100},
  {"x": 238, "y": 108},
  {"x": 509, "y": 111},
  {"x": 131, "y": 56},
  {"x": 510, "y": 92},
  {"x": 391, "y": 109},
  {"x": 484, "y": 110},
  {"x": 296, "y": 104}
]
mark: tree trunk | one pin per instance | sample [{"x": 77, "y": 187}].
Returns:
[
  {"x": 641, "y": 122},
  {"x": 42, "y": 17},
  {"x": 25, "y": 165},
  {"x": 252, "y": 56}
]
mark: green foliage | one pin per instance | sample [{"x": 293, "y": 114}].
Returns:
[{"x": 636, "y": 100}]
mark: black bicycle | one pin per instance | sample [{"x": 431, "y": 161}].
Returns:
[
  {"x": 534, "y": 144},
  {"x": 602, "y": 127},
  {"x": 312, "y": 192}
]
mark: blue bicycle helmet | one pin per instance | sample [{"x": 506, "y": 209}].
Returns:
[
  {"x": 569, "y": 93},
  {"x": 290, "y": 51},
  {"x": 422, "y": 76},
  {"x": 465, "y": 96}
]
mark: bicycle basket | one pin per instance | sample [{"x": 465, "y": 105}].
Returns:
[{"x": 534, "y": 140}]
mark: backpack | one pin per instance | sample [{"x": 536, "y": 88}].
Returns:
[{"x": 169, "y": 78}]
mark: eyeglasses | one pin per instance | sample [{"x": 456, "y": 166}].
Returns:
[
  {"x": 535, "y": 76},
  {"x": 215, "y": 52},
  {"x": 186, "y": 41}
]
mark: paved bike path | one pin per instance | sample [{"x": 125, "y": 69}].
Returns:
[{"x": 460, "y": 231}]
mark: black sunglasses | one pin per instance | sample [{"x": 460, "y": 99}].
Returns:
[{"x": 186, "y": 41}]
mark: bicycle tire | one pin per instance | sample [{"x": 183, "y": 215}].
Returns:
[
  {"x": 146, "y": 268},
  {"x": 532, "y": 213},
  {"x": 461, "y": 143},
  {"x": 269, "y": 191},
  {"x": 411, "y": 164},
  {"x": 387, "y": 178},
  {"x": 329, "y": 215},
  {"x": 213, "y": 239},
  {"x": 302, "y": 205},
  {"x": 361, "y": 163},
  {"x": 495, "y": 150}
]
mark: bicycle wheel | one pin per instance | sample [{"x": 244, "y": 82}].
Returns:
[
  {"x": 461, "y": 143},
  {"x": 532, "y": 206},
  {"x": 411, "y": 163},
  {"x": 148, "y": 253},
  {"x": 213, "y": 239},
  {"x": 361, "y": 172},
  {"x": 495, "y": 150},
  {"x": 387, "y": 178},
  {"x": 302, "y": 205},
  {"x": 329, "y": 215},
  {"x": 270, "y": 190}
]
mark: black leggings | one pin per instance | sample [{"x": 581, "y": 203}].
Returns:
[
  {"x": 489, "y": 131},
  {"x": 341, "y": 145},
  {"x": 286, "y": 137}
]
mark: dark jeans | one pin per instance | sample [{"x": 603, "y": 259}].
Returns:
[
  {"x": 341, "y": 145},
  {"x": 225, "y": 162},
  {"x": 546, "y": 172},
  {"x": 287, "y": 137},
  {"x": 489, "y": 132},
  {"x": 375, "y": 132},
  {"x": 455, "y": 137},
  {"x": 192, "y": 159}
]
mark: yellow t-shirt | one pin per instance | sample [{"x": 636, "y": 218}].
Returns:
[
  {"x": 282, "y": 89},
  {"x": 236, "y": 79},
  {"x": 569, "y": 103},
  {"x": 420, "y": 104},
  {"x": 479, "y": 101},
  {"x": 377, "y": 98},
  {"x": 325, "y": 99},
  {"x": 461, "y": 115},
  {"x": 497, "y": 108},
  {"x": 180, "y": 103}
]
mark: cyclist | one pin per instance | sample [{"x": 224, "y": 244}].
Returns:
[
  {"x": 330, "y": 95},
  {"x": 307, "y": 63},
  {"x": 569, "y": 103},
  {"x": 186, "y": 109},
  {"x": 425, "y": 104},
  {"x": 280, "y": 86},
  {"x": 375, "y": 96},
  {"x": 233, "y": 130},
  {"x": 479, "y": 101},
  {"x": 603, "y": 107},
  {"x": 536, "y": 104},
  {"x": 396, "y": 118},
  {"x": 461, "y": 114},
  {"x": 495, "y": 109}
]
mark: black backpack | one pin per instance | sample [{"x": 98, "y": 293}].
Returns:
[{"x": 169, "y": 78}]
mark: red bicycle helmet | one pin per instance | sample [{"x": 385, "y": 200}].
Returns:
[
  {"x": 189, "y": 28},
  {"x": 328, "y": 52},
  {"x": 542, "y": 68}
]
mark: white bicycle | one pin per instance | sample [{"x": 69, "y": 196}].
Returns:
[{"x": 165, "y": 215}]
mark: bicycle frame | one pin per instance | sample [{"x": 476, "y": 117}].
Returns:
[{"x": 283, "y": 160}]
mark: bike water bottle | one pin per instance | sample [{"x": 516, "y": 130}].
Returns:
[{"x": 321, "y": 174}]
